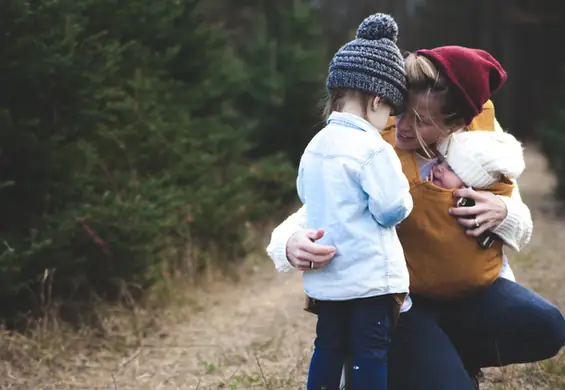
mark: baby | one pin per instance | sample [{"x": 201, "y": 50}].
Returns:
[{"x": 477, "y": 159}]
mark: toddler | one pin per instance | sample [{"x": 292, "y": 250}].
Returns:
[{"x": 352, "y": 184}]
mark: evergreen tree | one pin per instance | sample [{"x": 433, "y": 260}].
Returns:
[
  {"x": 124, "y": 141},
  {"x": 283, "y": 45}
]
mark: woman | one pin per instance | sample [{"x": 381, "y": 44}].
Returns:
[{"x": 441, "y": 344}]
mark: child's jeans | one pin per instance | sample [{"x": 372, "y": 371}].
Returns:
[{"x": 361, "y": 327}]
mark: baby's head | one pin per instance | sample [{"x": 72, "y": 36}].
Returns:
[
  {"x": 477, "y": 159},
  {"x": 369, "y": 72}
]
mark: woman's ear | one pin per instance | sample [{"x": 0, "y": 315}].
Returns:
[{"x": 456, "y": 127}]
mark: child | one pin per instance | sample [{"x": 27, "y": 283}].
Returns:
[
  {"x": 477, "y": 159},
  {"x": 481, "y": 160},
  {"x": 352, "y": 184}
]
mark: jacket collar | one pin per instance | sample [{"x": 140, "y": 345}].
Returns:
[{"x": 350, "y": 120}]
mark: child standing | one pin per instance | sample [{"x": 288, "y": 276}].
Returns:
[{"x": 352, "y": 184}]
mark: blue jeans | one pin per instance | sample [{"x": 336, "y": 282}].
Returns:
[
  {"x": 437, "y": 344},
  {"x": 360, "y": 327}
]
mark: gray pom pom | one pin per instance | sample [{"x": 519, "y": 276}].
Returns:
[{"x": 378, "y": 26}]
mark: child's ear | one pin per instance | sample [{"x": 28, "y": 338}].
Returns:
[{"x": 375, "y": 101}]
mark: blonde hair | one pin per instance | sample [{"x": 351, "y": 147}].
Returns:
[
  {"x": 424, "y": 77},
  {"x": 419, "y": 69}
]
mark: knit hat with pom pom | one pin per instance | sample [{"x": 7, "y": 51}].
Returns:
[{"x": 372, "y": 63}]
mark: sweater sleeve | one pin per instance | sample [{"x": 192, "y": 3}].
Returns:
[
  {"x": 516, "y": 229},
  {"x": 280, "y": 236}
]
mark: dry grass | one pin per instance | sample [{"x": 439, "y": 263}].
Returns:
[
  {"x": 53, "y": 355},
  {"x": 247, "y": 332}
]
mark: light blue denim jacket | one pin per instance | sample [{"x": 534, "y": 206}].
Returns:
[{"x": 352, "y": 184}]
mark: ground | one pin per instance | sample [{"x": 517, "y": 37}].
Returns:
[{"x": 254, "y": 333}]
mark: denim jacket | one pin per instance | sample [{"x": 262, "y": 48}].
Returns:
[{"x": 352, "y": 185}]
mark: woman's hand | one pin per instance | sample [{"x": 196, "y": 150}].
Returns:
[
  {"x": 487, "y": 213},
  {"x": 303, "y": 253}
]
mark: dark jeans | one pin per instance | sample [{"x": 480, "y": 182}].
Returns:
[
  {"x": 437, "y": 344},
  {"x": 360, "y": 327}
]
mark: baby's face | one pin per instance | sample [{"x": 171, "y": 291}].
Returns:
[{"x": 444, "y": 177}]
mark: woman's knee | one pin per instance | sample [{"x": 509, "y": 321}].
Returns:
[
  {"x": 551, "y": 327},
  {"x": 540, "y": 323}
]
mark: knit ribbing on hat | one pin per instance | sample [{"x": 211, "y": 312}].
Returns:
[
  {"x": 474, "y": 73},
  {"x": 372, "y": 63},
  {"x": 481, "y": 158}
]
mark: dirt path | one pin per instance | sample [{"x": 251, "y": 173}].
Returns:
[
  {"x": 252, "y": 335},
  {"x": 255, "y": 335},
  {"x": 244, "y": 337}
]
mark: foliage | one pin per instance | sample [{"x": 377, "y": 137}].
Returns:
[{"x": 128, "y": 130}]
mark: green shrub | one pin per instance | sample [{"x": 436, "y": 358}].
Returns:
[{"x": 127, "y": 130}]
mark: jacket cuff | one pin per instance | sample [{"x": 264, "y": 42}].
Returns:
[{"x": 277, "y": 252}]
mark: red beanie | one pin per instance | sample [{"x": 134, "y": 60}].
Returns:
[{"x": 474, "y": 72}]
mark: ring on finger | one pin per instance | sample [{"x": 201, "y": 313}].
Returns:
[
  {"x": 477, "y": 224},
  {"x": 311, "y": 265}
]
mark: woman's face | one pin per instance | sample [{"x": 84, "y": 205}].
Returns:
[{"x": 423, "y": 113}]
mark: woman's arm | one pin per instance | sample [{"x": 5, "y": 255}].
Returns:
[
  {"x": 293, "y": 246},
  {"x": 280, "y": 236},
  {"x": 516, "y": 229}
]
